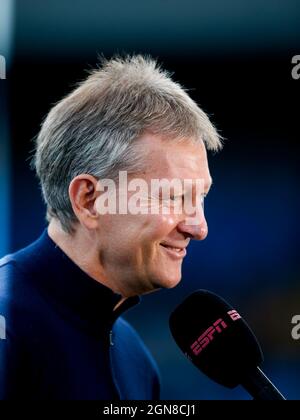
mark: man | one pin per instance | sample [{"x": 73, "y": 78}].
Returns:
[{"x": 62, "y": 296}]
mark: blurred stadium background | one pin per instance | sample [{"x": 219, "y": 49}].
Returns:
[{"x": 235, "y": 57}]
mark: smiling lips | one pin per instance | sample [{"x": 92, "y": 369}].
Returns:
[{"x": 175, "y": 252}]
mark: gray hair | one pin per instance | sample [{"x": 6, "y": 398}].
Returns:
[{"x": 95, "y": 129}]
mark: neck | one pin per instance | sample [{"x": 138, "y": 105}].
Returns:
[{"x": 82, "y": 248}]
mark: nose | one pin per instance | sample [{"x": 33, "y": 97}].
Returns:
[{"x": 197, "y": 230}]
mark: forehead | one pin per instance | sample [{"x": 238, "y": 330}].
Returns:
[{"x": 167, "y": 159}]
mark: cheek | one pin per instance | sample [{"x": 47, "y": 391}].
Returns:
[
  {"x": 118, "y": 232},
  {"x": 136, "y": 230},
  {"x": 160, "y": 226},
  {"x": 168, "y": 223}
]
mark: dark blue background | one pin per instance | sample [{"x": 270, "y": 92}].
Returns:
[{"x": 236, "y": 59}]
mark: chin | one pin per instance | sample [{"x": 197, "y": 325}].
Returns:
[{"x": 168, "y": 281}]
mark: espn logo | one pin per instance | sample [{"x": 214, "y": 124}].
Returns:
[{"x": 208, "y": 336}]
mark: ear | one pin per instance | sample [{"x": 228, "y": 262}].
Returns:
[{"x": 83, "y": 193}]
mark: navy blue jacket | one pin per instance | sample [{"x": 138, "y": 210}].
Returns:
[{"x": 59, "y": 336}]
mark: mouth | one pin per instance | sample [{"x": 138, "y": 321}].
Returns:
[{"x": 174, "y": 252}]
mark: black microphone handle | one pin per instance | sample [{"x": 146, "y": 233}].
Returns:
[{"x": 260, "y": 387}]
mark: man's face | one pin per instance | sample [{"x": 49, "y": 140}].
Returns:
[{"x": 140, "y": 253}]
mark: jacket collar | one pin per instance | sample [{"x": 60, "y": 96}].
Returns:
[{"x": 57, "y": 276}]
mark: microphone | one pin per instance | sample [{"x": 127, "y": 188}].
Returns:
[{"x": 216, "y": 339}]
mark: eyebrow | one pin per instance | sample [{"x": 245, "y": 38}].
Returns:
[{"x": 207, "y": 187}]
